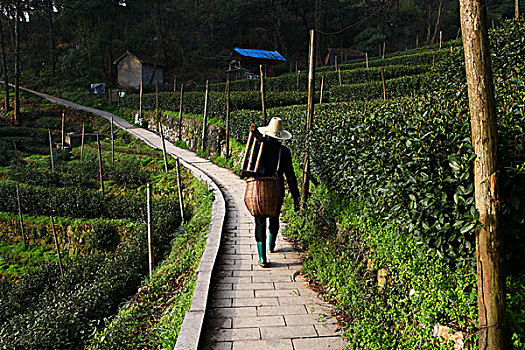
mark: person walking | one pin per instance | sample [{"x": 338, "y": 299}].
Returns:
[{"x": 275, "y": 160}]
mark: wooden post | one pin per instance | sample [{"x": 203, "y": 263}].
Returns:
[
  {"x": 175, "y": 83},
  {"x": 16, "y": 153},
  {"x": 517, "y": 9},
  {"x": 366, "y": 56},
  {"x": 57, "y": 246},
  {"x": 262, "y": 96},
  {"x": 63, "y": 136},
  {"x": 205, "y": 119},
  {"x": 483, "y": 120},
  {"x": 440, "y": 39},
  {"x": 20, "y": 214},
  {"x": 82, "y": 142},
  {"x": 179, "y": 189},
  {"x": 227, "y": 119},
  {"x": 100, "y": 171},
  {"x": 112, "y": 143},
  {"x": 336, "y": 67},
  {"x": 118, "y": 100},
  {"x": 384, "y": 49},
  {"x": 384, "y": 84},
  {"x": 180, "y": 111},
  {"x": 164, "y": 153},
  {"x": 417, "y": 41},
  {"x": 340, "y": 78},
  {"x": 140, "y": 99},
  {"x": 322, "y": 90},
  {"x": 298, "y": 80},
  {"x": 150, "y": 231},
  {"x": 51, "y": 150},
  {"x": 309, "y": 118}
]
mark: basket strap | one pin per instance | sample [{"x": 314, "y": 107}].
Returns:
[{"x": 278, "y": 162}]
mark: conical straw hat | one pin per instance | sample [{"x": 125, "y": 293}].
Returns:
[{"x": 275, "y": 129}]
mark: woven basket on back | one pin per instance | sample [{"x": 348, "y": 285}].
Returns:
[{"x": 264, "y": 196}]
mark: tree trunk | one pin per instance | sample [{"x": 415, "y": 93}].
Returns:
[
  {"x": 51, "y": 37},
  {"x": 491, "y": 296},
  {"x": 4, "y": 67},
  {"x": 438, "y": 20},
  {"x": 17, "y": 63},
  {"x": 317, "y": 14}
]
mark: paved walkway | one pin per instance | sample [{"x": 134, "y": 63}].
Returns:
[{"x": 248, "y": 307}]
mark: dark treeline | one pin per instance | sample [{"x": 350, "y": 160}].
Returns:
[{"x": 81, "y": 38}]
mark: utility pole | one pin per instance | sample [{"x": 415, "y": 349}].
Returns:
[{"x": 483, "y": 120}]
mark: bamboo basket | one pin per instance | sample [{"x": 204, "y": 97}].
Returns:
[{"x": 264, "y": 196}]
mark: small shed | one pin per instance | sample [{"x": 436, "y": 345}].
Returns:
[
  {"x": 244, "y": 63},
  {"x": 341, "y": 55},
  {"x": 134, "y": 67}
]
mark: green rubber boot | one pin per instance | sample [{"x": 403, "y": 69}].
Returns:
[
  {"x": 271, "y": 242},
  {"x": 262, "y": 254}
]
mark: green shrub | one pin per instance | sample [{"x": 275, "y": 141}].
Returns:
[{"x": 103, "y": 238}]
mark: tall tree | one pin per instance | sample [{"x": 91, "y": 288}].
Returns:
[
  {"x": 491, "y": 296},
  {"x": 7, "y": 107},
  {"x": 17, "y": 62},
  {"x": 51, "y": 36}
]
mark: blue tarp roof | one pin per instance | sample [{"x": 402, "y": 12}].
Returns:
[{"x": 269, "y": 55}]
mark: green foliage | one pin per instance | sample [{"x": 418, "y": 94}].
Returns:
[
  {"x": 406, "y": 289},
  {"x": 103, "y": 238}
]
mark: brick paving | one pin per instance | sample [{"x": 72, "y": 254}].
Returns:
[{"x": 248, "y": 307}]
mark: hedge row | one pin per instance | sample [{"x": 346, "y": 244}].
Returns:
[
  {"x": 412, "y": 160},
  {"x": 193, "y": 102}
]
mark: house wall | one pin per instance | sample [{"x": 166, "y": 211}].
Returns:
[
  {"x": 147, "y": 72},
  {"x": 129, "y": 72}
]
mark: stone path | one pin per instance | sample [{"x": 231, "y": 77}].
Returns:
[{"x": 247, "y": 307}]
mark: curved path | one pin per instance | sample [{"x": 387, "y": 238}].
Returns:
[{"x": 237, "y": 304}]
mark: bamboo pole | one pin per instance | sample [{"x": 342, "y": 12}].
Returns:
[
  {"x": 262, "y": 96},
  {"x": 21, "y": 217},
  {"x": 51, "y": 150},
  {"x": 205, "y": 119},
  {"x": 336, "y": 67},
  {"x": 440, "y": 39},
  {"x": 384, "y": 83},
  {"x": 298, "y": 80},
  {"x": 100, "y": 171},
  {"x": 227, "y": 119},
  {"x": 384, "y": 49},
  {"x": 483, "y": 119},
  {"x": 322, "y": 90},
  {"x": 366, "y": 56},
  {"x": 180, "y": 111},
  {"x": 417, "y": 41},
  {"x": 150, "y": 231},
  {"x": 179, "y": 190},
  {"x": 517, "y": 9},
  {"x": 164, "y": 153},
  {"x": 340, "y": 78},
  {"x": 112, "y": 143},
  {"x": 57, "y": 246},
  {"x": 82, "y": 142},
  {"x": 309, "y": 118},
  {"x": 63, "y": 136}
]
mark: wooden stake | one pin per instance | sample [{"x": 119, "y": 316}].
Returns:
[
  {"x": 51, "y": 150},
  {"x": 384, "y": 49},
  {"x": 164, "y": 153},
  {"x": 101, "y": 175},
  {"x": 336, "y": 67},
  {"x": 309, "y": 118},
  {"x": 227, "y": 119},
  {"x": 57, "y": 246},
  {"x": 440, "y": 39},
  {"x": 63, "y": 136},
  {"x": 20, "y": 214},
  {"x": 366, "y": 56},
  {"x": 140, "y": 99},
  {"x": 82, "y": 142},
  {"x": 517, "y": 9},
  {"x": 484, "y": 125},
  {"x": 298, "y": 80},
  {"x": 118, "y": 100},
  {"x": 205, "y": 119},
  {"x": 180, "y": 111},
  {"x": 179, "y": 189},
  {"x": 262, "y": 96},
  {"x": 322, "y": 90},
  {"x": 175, "y": 84},
  {"x": 340, "y": 78},
  {"x": 384, "y": 84},
  {"x": 112, "y": 143},
  {"x": 150, "y": 231},
  {"x": 417, "y": 41}
]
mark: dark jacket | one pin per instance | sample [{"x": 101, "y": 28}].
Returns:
[{"x": 268, "y": 164}]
